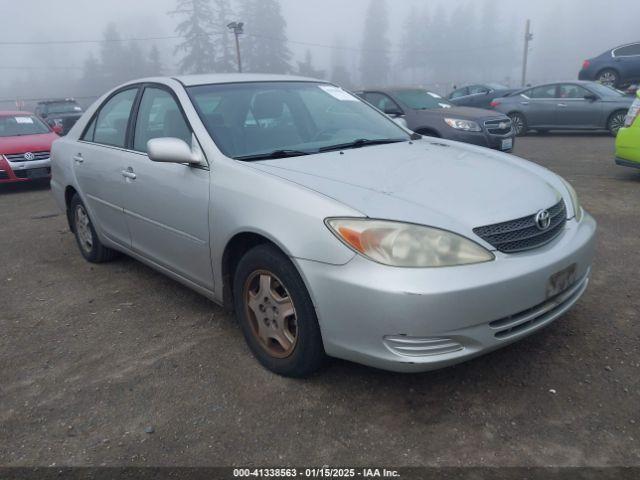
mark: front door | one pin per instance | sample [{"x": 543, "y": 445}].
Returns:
[
  {"x": 574, "y": 110},
  {"x": 167, "y": 204},
  {"x": 99, "y": 159}
]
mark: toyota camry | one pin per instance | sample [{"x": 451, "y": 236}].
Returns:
[{"x": 331, "y": 230}]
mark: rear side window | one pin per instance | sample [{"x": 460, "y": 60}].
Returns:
[
  {"x": 548, "y": 91},
  {"x": 572, "y": 91},
  {"x": 159, "y": 116},
  {"x": 111, "y": 123},
  {"x": 462, "y": 92},
  {"x": 476, "y": 89},
  {"x": 627, "y": 51}
]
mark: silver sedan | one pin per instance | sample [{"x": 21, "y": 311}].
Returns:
[{"x": 331, "y": 230}]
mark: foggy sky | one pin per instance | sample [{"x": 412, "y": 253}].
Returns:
[{"x": 588, "y": 29}]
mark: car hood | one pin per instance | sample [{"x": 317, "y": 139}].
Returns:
[
  {"x": 434, "y": 182},
  {"x": 463, "y": 113},
  {"x": 27, "y": 143}
]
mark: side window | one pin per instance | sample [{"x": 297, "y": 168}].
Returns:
[
  {"x": 572, "y": 91},
  {"x": 90, "y": 131},
  {"x": 111, "y": 124},
  {"x": 476, "y": 89},
  {"x": 381, "y": 101},
  {"x": 159, "y": 116},
  {"x": 547, "y": 91},
  {"x": 461, "y": 92},
  {"x": 628, "y": 51}
]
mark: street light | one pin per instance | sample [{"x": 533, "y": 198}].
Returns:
[{"x": 238, "y": 29}]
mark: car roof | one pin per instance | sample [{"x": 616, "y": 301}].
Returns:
[
  {"x": 207, "y": 79},
  {"x": 56, "y": 100},
  {"x": 10, "y": 113}
]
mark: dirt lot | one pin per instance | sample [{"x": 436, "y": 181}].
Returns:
[{"x": 118, "y": 365}]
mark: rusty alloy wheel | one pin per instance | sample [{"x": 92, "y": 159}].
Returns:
[{"x": 271, "y": 313}]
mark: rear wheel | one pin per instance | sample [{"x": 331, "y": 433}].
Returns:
[
  {"x": 276, "y": 314},
  {"x": 616, "y": 122},
  {"x": 519, "y": 123},
  {"x": 90, "y": 246},
  {"x": 608, "y": 76}
]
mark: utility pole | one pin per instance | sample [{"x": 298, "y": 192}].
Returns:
[
  {"x": 238, "y": 29},
  {"x": 528, "y": 36}
]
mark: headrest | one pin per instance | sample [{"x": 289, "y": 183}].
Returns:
[{"x": 268, "y": 105}]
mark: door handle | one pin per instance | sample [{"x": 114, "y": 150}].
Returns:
[
  {"x": 128, "y": 173},
  {"x": 524, "y": 103},
  {"x": 562, "y": 105},
  {"x": 78, "y": 158}
]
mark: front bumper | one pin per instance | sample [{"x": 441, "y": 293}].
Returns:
[
  {"x": 484, "y": 139},
  {"x": 628, "y": 146},
  {"x": 411, "y": 320},
  {"x": 12, "y": 172}
]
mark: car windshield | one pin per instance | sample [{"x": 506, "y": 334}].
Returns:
[
  {"x": 605, "y": 90},
  {"x": 20, "y": 125},
  {"x": 63, "y": 107},
  {"x": 419, "y": 99},
  {"x": 255, "y": 121}
]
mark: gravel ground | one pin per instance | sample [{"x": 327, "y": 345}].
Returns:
[{"x": 117, "y": 365}]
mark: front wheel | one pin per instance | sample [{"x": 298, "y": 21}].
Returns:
[
  {"x": 616, "y": 122},
  {"x": 90, "y": 245},
  {"x": 519, "y": 123},
  {"x": 276, "y": 313}
]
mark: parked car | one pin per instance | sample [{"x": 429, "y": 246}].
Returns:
[
  {"x": 62, "y": 112},
  {"x": 565, "y": 106},
  {"x": 479, "y": 96},
  {"x": 617, "y": 67},
  {"x": 25, "y": 143},
  {"x": 427, "y": 113},
  {"x": 329, "y": 228},
  {"x": 628, "y": 139}
]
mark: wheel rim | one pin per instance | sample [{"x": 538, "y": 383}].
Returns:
[
  {"x": 607, "y": 78},
  {"x": 518, "y": 124},
  {"x": 271, "y": 313},
  {"x": 83, "y": 229},
  {"x": 617, "y": 122}
]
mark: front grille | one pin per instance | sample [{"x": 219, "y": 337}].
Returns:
[
  {"x": 19, "y": 157},
  {"x": 538, "y": 315},
  {"x": 33, "y": 173},
  {"x": 493, "y": 126},
  {"x": 4, "y": 175},
  {"x": 523, "y": 233}
]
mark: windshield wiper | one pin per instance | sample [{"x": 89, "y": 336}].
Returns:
[
  {"x": 361, "y": 142},
  {"x": 273, "y": 155}
]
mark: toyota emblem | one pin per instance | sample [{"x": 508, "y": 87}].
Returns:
[
  {"x": 543, "y": 220},
  {"x": 29, "y": 156}
]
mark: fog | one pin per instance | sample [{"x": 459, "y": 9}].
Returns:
[{"x": 50, "y": 49}]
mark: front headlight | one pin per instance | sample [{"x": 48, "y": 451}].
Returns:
[
  {"x": 575, "y": 202},
  {"x": 466, "y": 125},
  {"x": 407, "y": 245}
]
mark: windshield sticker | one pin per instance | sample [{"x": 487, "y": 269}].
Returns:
[
  {"x": 444, "y": 105},
  {"x": 434, "y": 95},
  {"x": 338, "y": 93},
  {"x": 24, "y": 120}
]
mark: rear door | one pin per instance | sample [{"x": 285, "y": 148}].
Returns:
[
  {"x": 99, "y": 159},
  {"x": 460, "y": 97},
  {"x": 574, "y": 110},
  {"x": 540, "y": 106},
  {"x": 627, "y": 60},
  {"x": 167, "y": 204}
]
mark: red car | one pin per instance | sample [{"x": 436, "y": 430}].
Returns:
[{"x": 25, "y": 143}]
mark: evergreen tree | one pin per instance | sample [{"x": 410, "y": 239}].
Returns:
[
  {"x": 375, "y": 62},
  {"x": 412, "y": 44},
  {"x": 113, "y": 59},
  {"x": 154, "y": 63},
  {"x": 196, "y": 28},
  {"x": 225, "y": 56},
  {"x": 339, "y": 72},
  {"x": 136, "y": 62},
  {"x": 264, "y": 48},
  {"x": 306, "y": 68}
]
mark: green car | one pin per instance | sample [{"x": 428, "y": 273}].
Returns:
[{"x": 628, "y": 139}]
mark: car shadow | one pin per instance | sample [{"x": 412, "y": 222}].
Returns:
[
  {"x": 568, "y": 133},
  {"x": 21, "y": 187}
]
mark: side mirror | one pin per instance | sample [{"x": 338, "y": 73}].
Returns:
[
  {"x": 393, "y": 112},
  {"x": 57, "y": 128},
  {"x": 402, "y": 122},
  {"x": 173, "y": 150},
  {"x": 592, "y": 97}
]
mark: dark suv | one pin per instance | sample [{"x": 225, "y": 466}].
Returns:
[
  {"x": 62, "y": 112},
  {"x": 618, "y": 67},
  {"x": 427, "y": 113}
]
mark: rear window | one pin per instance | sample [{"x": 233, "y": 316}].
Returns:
[
  {"x": 63, "y": 107},
  {"x": 20, "y": 125},
  {"x": 628, "y": 50}
]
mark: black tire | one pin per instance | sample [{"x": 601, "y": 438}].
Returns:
[
  {"x": 89, "y": 244},
  {"x": 616, "y": 122},
  {"x": 519, "y": 123},
  {"x": 609, "y": 76},
  {"x": 307, "y": 355}
]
